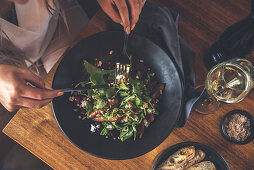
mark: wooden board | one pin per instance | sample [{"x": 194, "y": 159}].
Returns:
[{"x": 200, "y": 24}]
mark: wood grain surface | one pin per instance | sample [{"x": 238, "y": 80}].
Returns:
[{"x": 200, "y": 24}]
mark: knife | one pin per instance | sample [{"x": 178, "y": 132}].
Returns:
[{"x": 87, "y": 88}]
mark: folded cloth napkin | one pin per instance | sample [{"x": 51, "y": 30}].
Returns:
[{"x": 160, "y": 25}]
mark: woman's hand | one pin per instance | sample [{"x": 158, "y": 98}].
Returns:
[
  {"x": 16, "y": 93},
  {"x": 19, "y": 1},
  {"x": 118, "y": 11}
]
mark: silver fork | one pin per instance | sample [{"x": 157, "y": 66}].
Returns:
[
  {"x": 122, "y": 69},
  {"x": 124, "y": 55},
  {"x": 122, "y": 73}
]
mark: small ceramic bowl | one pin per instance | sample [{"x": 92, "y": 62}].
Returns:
[{"x": 223, "y": 128}]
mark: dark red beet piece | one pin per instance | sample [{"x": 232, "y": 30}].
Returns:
[{"x": 77, "y": 99}]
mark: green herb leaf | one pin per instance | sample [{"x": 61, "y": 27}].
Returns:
[
  {"x": 123, "y": 86},
  {"x": 82, "y": 84},
  {"x": 99, "y": 103},
  {"x": 89, "y": 108},
  {"x": 137, "y": 86},
  {"x": 126, "y": 133},
  {"x": 134, "y": 131},
  {"x": 104, "y": 131},
  {"x": 110, "y": 92},
  {"x": 123, "y": 94},
  {"x": 129, "y": 98},
  {"x": 137, "y": 101},
  {"x": 97, "y": 75}
]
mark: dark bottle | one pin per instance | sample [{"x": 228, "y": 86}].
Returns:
[{"x": 235, "y": 42}]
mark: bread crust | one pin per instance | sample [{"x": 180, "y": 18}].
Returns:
[
  {"x": 199, "y": 156},
  {"x": 207, "y": 165},
  {"x": 178, "y": 159}
]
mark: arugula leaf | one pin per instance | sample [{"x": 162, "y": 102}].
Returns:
[
  {"x": 99, "y": 103},
  {"x": 123, "y": 94},
  {"x": 110, "y": 77},
  {"x": 127, "y": 99},
  {"x": 123, "y": 86},
  {"x": 90, "y": 93},
  {"x": 97, "y": 74},
  {"x": 116, "y": 125},
  {"x": 94, "y": 70},
  {"x": 137, "y": 100},
  {"x": 101, "y": 92},
  {"x": 134, "y": 131},
  {"x": 89, "y": 108},
  {"x": 126, "y": 133},
  {"x": 82, "y": 84},
  {"x": 137, "y": 86},
  {"x": 104, "y": 131},
  {"x": 110, "y": 92}
]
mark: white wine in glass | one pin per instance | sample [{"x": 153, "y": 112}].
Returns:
[
  {"x": 230, "y": 81},
  {"x": 227, "y": 82}
]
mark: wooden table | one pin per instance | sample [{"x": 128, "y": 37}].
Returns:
[{"x": 201, "y": 23}]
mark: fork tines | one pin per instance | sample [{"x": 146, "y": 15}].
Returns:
[{"x": 122, "y": 73}]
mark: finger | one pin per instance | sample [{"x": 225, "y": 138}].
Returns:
[
  {"x": 9, "y": 107},
  {"x": 34, "y": 104},
  {"x": 19, "y": 1},
  {"x": 111, "y": 12},
  {"x": 124, "y": 14},
  {"x": 39, "y": 94},
  {"x": 142, "y": 2},
  {"x": 141, "y": 5},
  {"x": 135, "y": 11},
  {"x": 48, "y": 87},
  {"x": 32, "y": 78},
  {"x": 114, "y": 15}
]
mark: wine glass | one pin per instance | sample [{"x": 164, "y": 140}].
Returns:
[{"x": 227, "y": 82}]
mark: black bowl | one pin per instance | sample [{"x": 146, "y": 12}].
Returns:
[
  {"x": 211, "y": 155},
  {"x": 223, "y": 129},
  {"x": 78, "y": 131}
]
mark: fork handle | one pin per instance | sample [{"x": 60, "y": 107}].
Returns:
[
  {"x": 86, "y": 88},
  {"x": 126, "y": 38}
]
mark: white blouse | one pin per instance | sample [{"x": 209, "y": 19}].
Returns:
[{"x": 40, "y": 34}]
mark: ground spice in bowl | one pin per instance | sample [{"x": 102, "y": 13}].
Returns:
[{"x": 237, "y": 127}]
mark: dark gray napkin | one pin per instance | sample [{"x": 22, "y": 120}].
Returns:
[{"x": 161, "y": 26}]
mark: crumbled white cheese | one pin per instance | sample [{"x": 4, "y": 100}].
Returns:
[
  {"x": 110, "y": 127},
  {"x": 71, "y": 98},
  {"x": 146, "y": 123},
  {"x": 141, "y": 61},
  {"x": 98, "y": 126},
  {"x": 149, "y": 111},
  {"x": 83, "y": 103},
  {"x": 125, "y": 119},
  {"x": 160, "y": 91},
  {"x": 128, "y": 105},
  {"x": 93, "y": 128}
]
